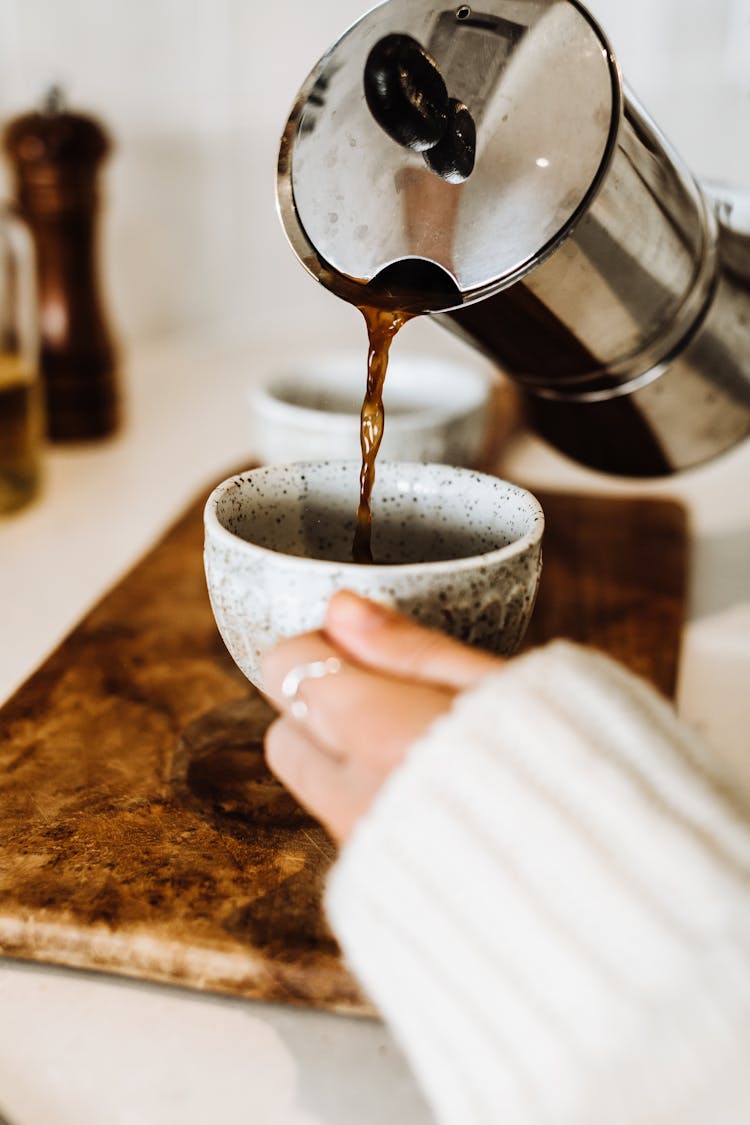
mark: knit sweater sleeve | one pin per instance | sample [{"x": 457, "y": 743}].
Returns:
[{"x": 548, "y": 902}]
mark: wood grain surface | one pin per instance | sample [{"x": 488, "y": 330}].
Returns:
[
  {"x": 614, "y": 576},
  {"x": 140, "y": 832}
]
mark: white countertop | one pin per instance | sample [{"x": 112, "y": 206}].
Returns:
[{"x": 81, "y": 1049}]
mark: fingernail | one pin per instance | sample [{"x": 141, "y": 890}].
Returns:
[{"x": 358, "y": 612}]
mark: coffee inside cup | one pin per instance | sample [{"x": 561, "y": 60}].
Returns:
[{"x": 295, "y": 511}]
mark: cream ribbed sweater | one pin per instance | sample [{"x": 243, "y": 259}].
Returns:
[{"x": 550, "y": 904}]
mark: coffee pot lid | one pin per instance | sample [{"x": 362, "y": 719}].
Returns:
[{"x": 456, "y": 145}]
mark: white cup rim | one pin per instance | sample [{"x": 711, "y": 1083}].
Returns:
[
  {"x": 216, "y": 530},
  {"x": 472, "y": 389}
]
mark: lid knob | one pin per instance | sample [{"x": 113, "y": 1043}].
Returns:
[{"x": 408, "y": 97}]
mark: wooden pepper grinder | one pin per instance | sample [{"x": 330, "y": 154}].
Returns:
[{"x": 56, "y": 157}]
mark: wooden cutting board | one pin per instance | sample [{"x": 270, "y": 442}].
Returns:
[{"x": 140, "y": 832}]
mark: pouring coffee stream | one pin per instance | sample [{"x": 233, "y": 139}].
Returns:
[
  {"x": 382, "y": 326},
  {"x": 399, "y": 294}
]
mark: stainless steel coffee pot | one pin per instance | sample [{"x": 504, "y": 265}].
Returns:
[{"x": 489, "y": 167}]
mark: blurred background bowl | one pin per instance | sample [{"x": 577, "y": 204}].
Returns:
[{"x": 436, "y": 409}]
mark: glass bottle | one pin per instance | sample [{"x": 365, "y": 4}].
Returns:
[{"x": 21, "y": 417}]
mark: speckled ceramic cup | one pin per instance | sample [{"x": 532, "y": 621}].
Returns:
[
  {"x": 310, "y": 409},
  {"x": 455, "y": 549}
]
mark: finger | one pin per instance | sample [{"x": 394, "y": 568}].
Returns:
[
  {"x": 296, "y": 653},
  {"x": 332, "y": 791},
  {"x": 355, "y": 713},
  {"x": 380, "y": 638}
]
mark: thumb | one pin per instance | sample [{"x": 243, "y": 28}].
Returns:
[{"x": 382, "y": 639}]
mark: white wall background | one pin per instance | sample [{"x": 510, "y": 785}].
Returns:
[{"x": 196, "y": 92}]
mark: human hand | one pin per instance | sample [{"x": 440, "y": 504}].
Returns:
[{"x": 395, "y": 678}]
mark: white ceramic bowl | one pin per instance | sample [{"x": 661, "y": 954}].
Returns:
[
  {"x": 435, "y": 410},
  {"x": 456, "y": 549}
]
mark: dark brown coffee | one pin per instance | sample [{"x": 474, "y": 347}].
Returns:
[{"x": 382, "y": 326}]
